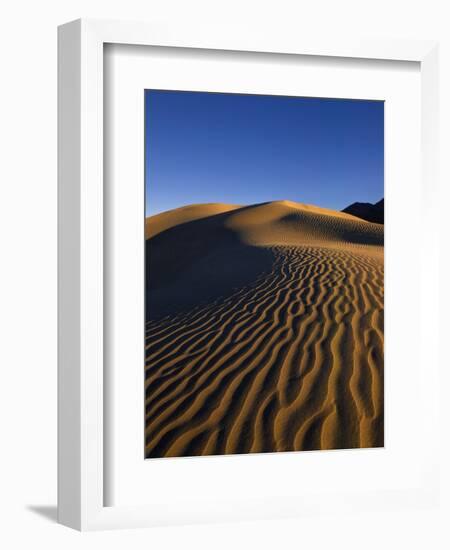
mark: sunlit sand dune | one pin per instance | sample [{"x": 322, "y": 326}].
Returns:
[
  {"x": 165, "y": 220},
  {"x": 264, "y": 330}
]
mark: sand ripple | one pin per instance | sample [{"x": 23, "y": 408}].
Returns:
[{"x": 291, "y": 360}]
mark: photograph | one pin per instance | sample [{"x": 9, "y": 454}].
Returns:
[{"x": 264, "y": 273}]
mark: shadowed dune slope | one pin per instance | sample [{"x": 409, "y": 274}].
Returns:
[{"x": 264, "y": 330}]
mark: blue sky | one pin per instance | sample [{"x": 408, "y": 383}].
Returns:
[{"x": 245, "y": 149}]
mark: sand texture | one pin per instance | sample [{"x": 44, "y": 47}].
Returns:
[{"x": 264, "y": 330}]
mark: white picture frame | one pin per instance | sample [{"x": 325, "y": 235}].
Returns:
[{"x": 81, "y": 403}]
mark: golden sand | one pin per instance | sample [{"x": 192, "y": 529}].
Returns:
[{"x": 264, "y": 331}]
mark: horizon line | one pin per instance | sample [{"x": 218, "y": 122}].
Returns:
[{"x": 148, "y": 215}]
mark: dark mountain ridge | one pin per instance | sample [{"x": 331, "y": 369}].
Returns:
[{"x": 367, "y": 211}]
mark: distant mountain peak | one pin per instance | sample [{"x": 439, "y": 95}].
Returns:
[{"x": 367, "y": 211}]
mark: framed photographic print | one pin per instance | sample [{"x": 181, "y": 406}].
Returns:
[
  {"x": 237, "y": 337},
  {"x": 264, "y": 317}
]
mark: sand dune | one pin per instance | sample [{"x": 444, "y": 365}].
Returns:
[
  {"x": 165, "y": 220},
  {"x": 264, "y": 330}
]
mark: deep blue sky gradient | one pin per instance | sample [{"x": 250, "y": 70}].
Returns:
[{"x": 245, "y": 149}]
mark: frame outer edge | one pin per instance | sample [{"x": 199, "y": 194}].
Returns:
[
  {"x": 80, "y": 241},
  {"x": 431, "y": 249},
  {"x": 91, "y": 365},
  {"x": 69, "y": 256}
]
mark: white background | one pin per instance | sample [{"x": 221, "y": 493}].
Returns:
[{"x": 28, "y": 273}]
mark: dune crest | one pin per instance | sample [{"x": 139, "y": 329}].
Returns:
[
  {"x": 264, "y": 330},
  {"x": 290, "y": 223},
  {"x": 165, "y": 220}
]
